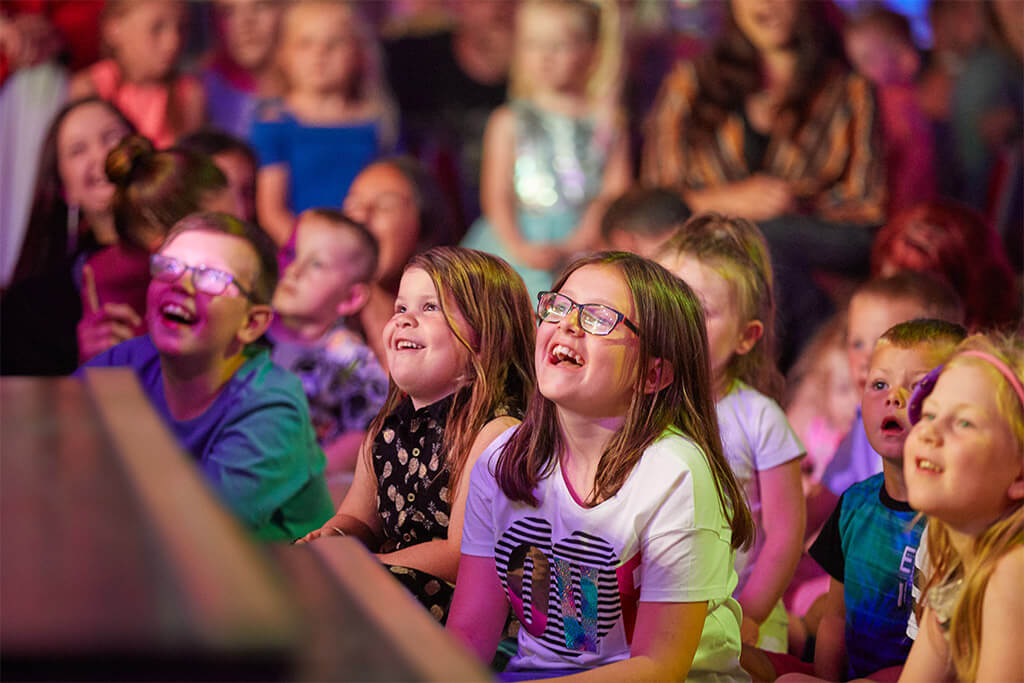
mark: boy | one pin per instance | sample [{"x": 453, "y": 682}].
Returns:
[
  {"x": 868, "y": 544},
  {"x": 642, "y": 219},
  {"x": 329, "y": 280},
  {"x": 241, "y": 417}
]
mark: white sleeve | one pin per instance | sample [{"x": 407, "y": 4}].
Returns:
[
  {"x": 478, "y": 526},
  {"x": 775, "y": 442}
]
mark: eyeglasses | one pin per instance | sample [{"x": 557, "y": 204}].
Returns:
[
  {"x": 206, "y": 280},
  {"x": 597, "y": 319}
]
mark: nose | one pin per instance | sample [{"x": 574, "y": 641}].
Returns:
[
  {"x": 404, "y": 319},
  {"x": 897, "y": 397},
  {"x": 571, "y": 322},
  {"x": 357, "y": 211}
]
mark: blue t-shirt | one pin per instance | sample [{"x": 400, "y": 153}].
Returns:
[
  {"x": 869, "y": 545},
  {"x": 322, "y": 161},
  {"x": 254, "y": 444}
]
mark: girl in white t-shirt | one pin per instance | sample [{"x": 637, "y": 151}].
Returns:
[
  {"x": 726, "y": 262},
  {"x": 608, "y": 520}
]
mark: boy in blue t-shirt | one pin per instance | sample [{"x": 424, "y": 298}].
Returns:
[
  {"x": 868, "y": 544},
  {"x": 244, "y": 419}
]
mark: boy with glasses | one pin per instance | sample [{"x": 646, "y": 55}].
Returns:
[{"x": 244, "y": 419}]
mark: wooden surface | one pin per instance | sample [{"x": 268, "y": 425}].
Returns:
[{"x": 117, "y": 563}]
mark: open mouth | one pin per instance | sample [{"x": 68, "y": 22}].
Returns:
[
  {"x": 406, "y": 345},
  {"x": 891, "y": 426},
  {"x": 928, "y": 466},
  {"x": 563, "y": 354},
  {"x": 176, "y": 314}
]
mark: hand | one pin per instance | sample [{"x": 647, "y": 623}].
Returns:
[
  {"x": 103, "y": 326},
  {"x": 759, "y": 197},
  {"x": 750, "y": 631},
  {"x": 326, "y": 530},
  {"x": 540, "y": 255}
]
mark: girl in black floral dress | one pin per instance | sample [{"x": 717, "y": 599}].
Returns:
[{"x": 459, "y": 353}]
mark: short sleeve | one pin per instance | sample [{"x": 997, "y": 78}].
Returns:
[
  {"x": 268, "y": 136},
  {"x": 827, "y": 549},
  {"x": 776, "y": 442},
  {"x": 478, "y": 535}
]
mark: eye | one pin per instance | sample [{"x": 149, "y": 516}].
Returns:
[
  {"x": 879, "y": 385},
  {"x": 431, "y": 306},
  {"x": 400, "y": 308},
  {"x": 964, "y": 423},
  {"x": 928, "y": 416}
]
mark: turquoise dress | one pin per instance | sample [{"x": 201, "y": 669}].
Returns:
[{"x": 558, "y": 171}]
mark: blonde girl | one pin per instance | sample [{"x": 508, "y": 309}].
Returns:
[
  {"x": 557, "y": 153},
  {"x": 458, "y": 352},
  {"x": 333, "y": 120},
  {"x": 964, "y": 466},
  {"x": 726, "y": 262},
  {"x": 144, "y": 39},
  {"x": 608, "y": 520}
]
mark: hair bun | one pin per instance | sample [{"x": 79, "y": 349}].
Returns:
[{"x": 125, "y": 158}]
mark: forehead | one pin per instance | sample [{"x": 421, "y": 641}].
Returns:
[
  {"x": 416, "y": 282},
  {"x": 325, "y": 234},
  {"x": 600, "y": 284},
  {"x": 872, "y": 314},
  {"x": 708, "y": 279},
  {"x": 967, "y": 381},
  {"x": 156, "y": 10},
  {"x": 380, "y": 178},
  {"x": 216, "y": 250},
  {"x": 315, "y": 17},
  {"x": 917, "y": 358},
  {"x": 87, "y": 119}
]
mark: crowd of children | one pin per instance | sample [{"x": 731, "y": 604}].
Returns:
[{"x": 569, "y": 437}]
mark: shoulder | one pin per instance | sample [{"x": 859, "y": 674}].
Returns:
[
  {"x": 136, "y": 352},
  {"x": 1004, "y": 584},
  {"x": 503, "y": 119},
  {"x": 271, "y": 111},
  {"x": 492, "y": 439},
  {"x": 673, "y": 456},
  {"x": 863, "y": 492},
  {"x": 263, "y": 383}
]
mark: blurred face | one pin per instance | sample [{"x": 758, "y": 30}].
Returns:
[
  {"x": 425, "y": 358},
  {"x": 893, "y": 374},
  {"x": 874, "y": 55},
  {"x": 249, "y": 30},
  {"x": 241, "y": 183},
  {"x": 768, "y": 24},
  {"x": 721, "y": 309},
  {"x": 553, "y": 48},
  {"x": 321, "y": 51},
  {"x": 868, "y": 319},
  {"x": 148, "y": 38},
  {"x": 585, "y": 374},
  {"x": 184, "y": 322},
  {"x": 964, "y": 465},
  {"x": 383, "y": 199},
  {"x": 913, "y": 249},
  {"x": 319, "y": 279},
  {"x": 86, "y": 136}
]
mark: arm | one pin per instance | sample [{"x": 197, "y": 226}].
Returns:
[
  {"x": 782, "y": 524},
  {"x": 618, "y": 176},
  {"x": 272, "y": 203},
  {"x": 830, "y": 648},
  {"x": 929, "y": 657},
  {"x": 440, "y": 557},
  {"x": 1002, "y": 613},
  {"x": 479, "y": 606},
  {"x": 193, "y": 107},
  {"x": 81, "y": 85}
]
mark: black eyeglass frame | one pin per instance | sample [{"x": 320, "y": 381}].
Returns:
[
  {"x": 156, "y": 272},
  {"x": 619, "y": 316}
]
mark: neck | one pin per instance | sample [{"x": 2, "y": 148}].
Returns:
[
  {"x": 191, "y": 385},
  {"x": 484, "y": 56},
  {"x": 102, "y": 225},
  {"x": 570, "y": 102},
  {"x": 586, "y": 437},
  {"x": 298, "y": 329},
  {"x": 722, "y": 387},
  {"x": 777, "y": 69},
  {"x": 324, "y": 107},
  {"x": 963, "y": 543},
  {"x": 895, "y": 484}
]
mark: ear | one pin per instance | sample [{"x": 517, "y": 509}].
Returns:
[
  {"x": 256, "y": 323},
  {"x": 1016, "y": 490},
  {"x": 659, "y": 376},
  {"x": 751, "y": 333},
  {"x": 357, "y": 296}
]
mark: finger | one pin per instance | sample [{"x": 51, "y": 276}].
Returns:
[
  {"x": 120, "y": 332},
  {"x": 89, "y": 284},
  {"x": 122, "y": 313}
]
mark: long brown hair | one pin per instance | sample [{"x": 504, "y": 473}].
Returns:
[
  {"x": 493, "y": 301},
  {"x": 735, "y": 249},
  {"x": 671, "y": 323}
]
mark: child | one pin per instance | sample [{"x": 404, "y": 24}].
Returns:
[
  {"x": 555, "y": 155},
  {"x": 868, "y": 544},
  {"x": 145, "y": 39},
  {"x": 154, "y": 190},
  {"x": 609, "y": 520},
  {"x": 726, "y": 262},
  {"x": 641, "y": 220},
  {"x": 328, "y": 281},
  {"x": 458, "y": 349},
  {"x": 332, "y": 120},
  {"x": 964, "y": 470},
  {"x": 235, "y": 159},
  {"x": 242, "y": 418}
]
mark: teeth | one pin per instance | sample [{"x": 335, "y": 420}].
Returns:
[
  {"x": 404, "y": 344},
  {"x": 177, "y": 311},
  {"x": 565, "y": 353},
  {"x": 928, "y": 465}
]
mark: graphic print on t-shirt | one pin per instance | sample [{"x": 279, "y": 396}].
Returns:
[{"x": 565, "y": 593}]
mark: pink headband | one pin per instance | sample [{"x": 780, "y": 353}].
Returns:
[{"x": 1003, "y": 369}]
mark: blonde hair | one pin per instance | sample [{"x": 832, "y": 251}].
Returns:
[
  {"x": 1000, "y": 537},
  {"x": 369, "y": 85},
  {"x": 736, "y": 250},
  {"x": 600, "y": 20}
]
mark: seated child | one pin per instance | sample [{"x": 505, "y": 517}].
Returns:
[
  {"x": 642, "y": 219},
  {"x": 964, "y": 470},
  {"x": 869, "y": 542},
  {"x": 242, "y": 418},
  {"x": 235, "y": 159},
  {"x": 327, "y": 282}
]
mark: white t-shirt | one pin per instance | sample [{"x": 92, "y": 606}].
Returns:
[
  {"x": 755, "y": 436},
  {"x": 574, "y": 575}
]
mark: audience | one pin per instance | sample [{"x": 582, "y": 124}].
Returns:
[
  {"x": 642, "y": 219},
  {"x": 235, "y": 159}
]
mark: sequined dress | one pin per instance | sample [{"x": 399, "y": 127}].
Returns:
[{"x": 559, "y": 170}]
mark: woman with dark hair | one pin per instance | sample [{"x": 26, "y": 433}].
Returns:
[{"x": 771, "y": 125}]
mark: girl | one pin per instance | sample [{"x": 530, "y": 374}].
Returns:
[
  {"x": 331, "y": 121},
  {"x": 145, "y": 39},
  {"x": 458, "y": 349},
  {"x": 727, "y": 264},
  {"x": 609, "y": 520},
  {"x": 558, "y": 152},
  {"x": 964, "y": 466}
]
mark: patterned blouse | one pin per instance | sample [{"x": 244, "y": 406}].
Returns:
[{"x": 834, "y": 161}]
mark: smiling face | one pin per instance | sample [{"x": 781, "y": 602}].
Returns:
[
  {"x": 869, "y": 317},
  {"x": 964, "y": 465},
  {"x": 321, "y": 47},
  {"x": 86, "y": 136},
  {"x": 893, "y": 374},
  {"x": 589, "y": 375},
  {"x": 186, "y": 323},
  {"x": 768, "y": 24},
  {"x": 321, "y": 276},
  {"x": 425, "y": 358}
]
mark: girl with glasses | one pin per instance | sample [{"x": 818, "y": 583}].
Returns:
[{"x": 609, "y": 519}]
